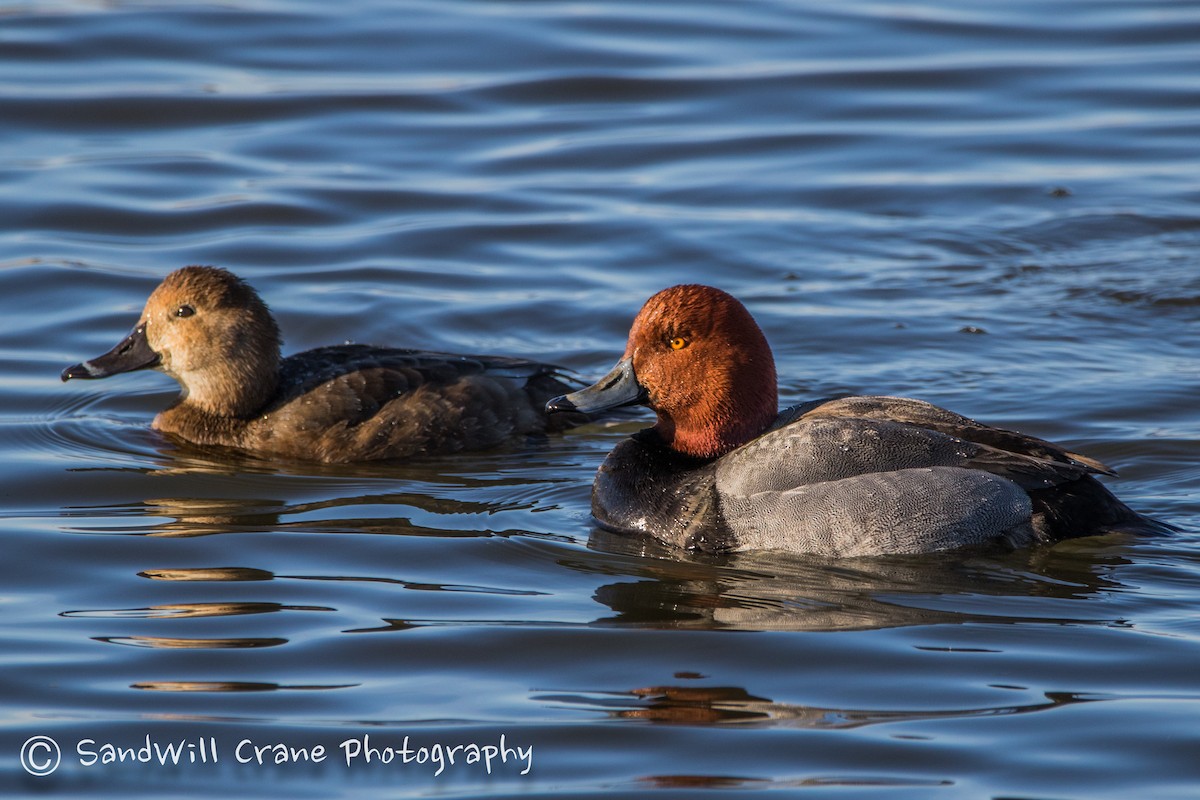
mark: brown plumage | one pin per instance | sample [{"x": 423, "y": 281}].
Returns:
[{"x": 210, "y": 331}]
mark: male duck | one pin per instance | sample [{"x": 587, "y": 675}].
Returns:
[
  {"x": 210, "y": 331},
  {"x": 723, "y": 470}
]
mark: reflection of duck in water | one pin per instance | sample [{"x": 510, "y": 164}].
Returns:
[
  {"x": 723, "y": 470},
  {"x": 406, "y": 512},
  {"x": 683, "y": 704},
  {"x": 777, "y": 591},
  {"x": 209, "y": 330}
]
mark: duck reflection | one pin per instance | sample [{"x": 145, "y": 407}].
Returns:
[
  {"x": 780, "y": 591},
  {"x": 232, "y": 686},
  {"x": 523, "y": 462},
  {"x": 741, "y": 782},
  {"x": 183, "y": 517},
  {"x": 732, "y": 705},
  {"x": 175, "y": 643},
  {"x": 178, "y": 611},
  {"x": 185, "y": 610},
  {"x": 207, "y": 574},
  {"x": 706, "y": 782}
]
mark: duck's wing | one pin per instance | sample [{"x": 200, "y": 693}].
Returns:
[
  {"x": 819, "y": 450},
  {"x": 886, "y": 474},
  {"x": 1067, "y": 501},
  {"x": 398, "y": 370},
  {"x": 928, "y": 416},
  {"x": 358, "y": 403}
]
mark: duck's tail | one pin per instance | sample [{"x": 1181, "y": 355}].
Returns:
[{"x": 1085, "y": 507}]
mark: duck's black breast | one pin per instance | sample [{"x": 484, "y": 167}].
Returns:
[
  {"x": 358, "y": 402},
  {"x": 644, "y": 488}
]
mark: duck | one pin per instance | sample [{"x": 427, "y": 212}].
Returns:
[
  {"x": 210, "y": 331},
  {"x": 724, "y": 470}
]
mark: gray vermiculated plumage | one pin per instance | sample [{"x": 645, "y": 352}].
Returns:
[
  {"x": 826, "y": 481},
  {"x": 914, "y": 510}
]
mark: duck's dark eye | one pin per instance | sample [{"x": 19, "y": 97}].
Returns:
[{"x": 184, "y": 311}]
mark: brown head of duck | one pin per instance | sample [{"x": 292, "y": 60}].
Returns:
[{"x": 209, "y": 330}]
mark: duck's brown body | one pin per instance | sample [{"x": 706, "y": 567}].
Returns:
[
  {"x": 209, "y": 330},
  {"x": 362, "y": 403}
]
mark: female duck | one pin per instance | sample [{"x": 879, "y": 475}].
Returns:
[
  {"x": 723, "y": 470},
  {"x": 210, "y": 331}
]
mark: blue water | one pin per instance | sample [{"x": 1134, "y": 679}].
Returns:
[{"x": 994, "y": 208}]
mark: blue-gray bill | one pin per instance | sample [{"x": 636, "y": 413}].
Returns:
[{"x": 618, "y": 388}]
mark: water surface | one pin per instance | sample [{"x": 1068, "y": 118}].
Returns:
[{"x": 991, "y": 208}]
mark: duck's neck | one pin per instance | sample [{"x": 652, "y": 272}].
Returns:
[
  {"x": 719, "y": 422},
  {"x": 215, "y": 407},
  {"x": 230, "y": 391},
  {"x": 243, "y": 379}
]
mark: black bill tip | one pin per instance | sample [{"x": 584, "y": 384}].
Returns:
[
  {"x": 554, "y": 405},
  {"x": 81, "y": 371}
]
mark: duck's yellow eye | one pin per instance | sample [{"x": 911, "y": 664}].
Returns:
[{"x": 678, "y": 343}]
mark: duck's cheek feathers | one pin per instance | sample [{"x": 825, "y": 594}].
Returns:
[
  {"x": 182, "y": 343},
  {"x": 667, "y": 381},
  {"x": 155, "y": 341}
]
